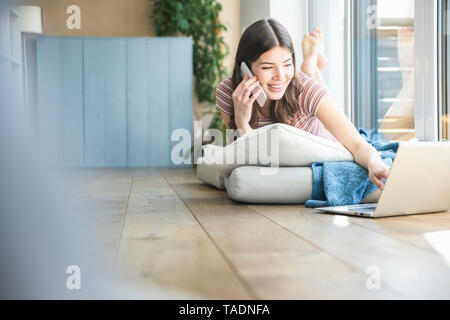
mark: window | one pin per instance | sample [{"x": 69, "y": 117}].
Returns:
[{"x": 384, "y": 67}]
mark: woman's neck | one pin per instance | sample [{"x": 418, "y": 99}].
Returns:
[{"x": 265, "y": 110}]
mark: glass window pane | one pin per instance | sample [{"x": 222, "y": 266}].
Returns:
[{"x": 384, "y": 67}]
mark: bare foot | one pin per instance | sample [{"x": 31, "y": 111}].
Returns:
[
  {"x": 321, "y": 59},
  {"x": 314, "y": 58}
]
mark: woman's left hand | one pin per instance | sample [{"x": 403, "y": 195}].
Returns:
[{"x": 377, "y": 172}]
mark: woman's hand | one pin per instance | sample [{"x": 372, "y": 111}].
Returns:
[
  {"x": 377, "y": 172},
  {"x": 243, "y": 101}
]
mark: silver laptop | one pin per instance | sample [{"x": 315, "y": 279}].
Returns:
[{"x": 418, "y": 182}]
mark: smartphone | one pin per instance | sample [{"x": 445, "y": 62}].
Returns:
[{"x": 262, "y": 97}]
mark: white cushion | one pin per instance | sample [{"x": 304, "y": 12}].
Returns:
[
  {"x": 292, "y": 147},
  {"x": 211, "y": 176},
  {"x": 288, "y": 186}
]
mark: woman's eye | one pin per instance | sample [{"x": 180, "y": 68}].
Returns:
[{"x": 265, "y": 68}]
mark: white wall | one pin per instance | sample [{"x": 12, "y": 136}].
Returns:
[
  {"x": 252, "y": 11},
  {"x": 329, "y": 14}
]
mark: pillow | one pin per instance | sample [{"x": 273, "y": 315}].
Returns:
[
  {"x": 276, "y": 145},
  {"x": 288, "y": 186},
  {"x": 210, "y": 176}
]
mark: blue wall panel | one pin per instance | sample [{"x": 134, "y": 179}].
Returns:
[
  {"x": 115, "y": 108},
  {"x": 159, "y": 115},
  {"x": 50, "y": 110},
  {"x": 72, "y": 102},
  {"x": 138, "y": 104},
  {"x": 94, "y": 101},
  {"x": 180, "y": 86},
  {"x": 113, "y": 102}
]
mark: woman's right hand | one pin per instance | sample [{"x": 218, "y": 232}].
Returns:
[{"x": 242, "y": 101}]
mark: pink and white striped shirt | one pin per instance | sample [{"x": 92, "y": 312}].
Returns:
[{"x": 305, "y": 117}]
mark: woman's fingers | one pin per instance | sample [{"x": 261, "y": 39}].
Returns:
[
  {"x": 377, "y": 181},
  {"x": 244, "y": 90},
  {"x": 243, "y": 85},
  {"x": 248, "y": 90},
  {"x": 256, "y": 95}
]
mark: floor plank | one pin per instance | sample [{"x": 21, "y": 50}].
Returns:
[
  {"x": 165, "y": 253},
  {"x": 101, "y": 209},
  {"x": 275, "y": 263},
  {"x": 166, "y": 235},
  {"x": 407, "y": 270},
  {"x": 409, "y": 229},
  {"x": 77, "y": 180}
]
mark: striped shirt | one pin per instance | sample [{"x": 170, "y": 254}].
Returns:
[{"x": 305, "y": 116}]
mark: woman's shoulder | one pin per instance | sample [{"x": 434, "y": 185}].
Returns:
[
  {"x": 224, "y": 93},
  {"x": 226, "y": 85},
  {"x": 311, "y": 94}
]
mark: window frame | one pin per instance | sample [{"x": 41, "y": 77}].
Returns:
[
  {"x": 443, "y": 34},
  {"x": 426, "y": 71}
]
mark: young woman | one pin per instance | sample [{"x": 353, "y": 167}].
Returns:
[{"x": 300, "y": 99}]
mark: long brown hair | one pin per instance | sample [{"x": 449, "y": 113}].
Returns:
[{"x": 258, "y": 38}]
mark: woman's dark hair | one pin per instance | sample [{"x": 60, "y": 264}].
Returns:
[{"x": 260, "y": 37}]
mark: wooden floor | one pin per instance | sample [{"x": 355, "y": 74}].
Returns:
[{"x": 166, "y": 235}]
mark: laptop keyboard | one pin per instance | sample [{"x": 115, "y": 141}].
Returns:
[
  {"x": 368, "y": 208},
  {"x": 372, "y": 210}
]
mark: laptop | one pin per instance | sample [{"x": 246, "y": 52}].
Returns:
[{"x": 418, "y": 182}]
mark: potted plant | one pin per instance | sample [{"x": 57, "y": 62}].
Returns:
[{"x": 198, "y": 19}]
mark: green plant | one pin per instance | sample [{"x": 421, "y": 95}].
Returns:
[{"x": 198, "y": 19}]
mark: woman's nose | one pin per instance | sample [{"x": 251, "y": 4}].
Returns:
[{"x": 279, "y": 73}]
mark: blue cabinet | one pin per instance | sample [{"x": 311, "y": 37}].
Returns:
[{"x": 113, "y": 102}]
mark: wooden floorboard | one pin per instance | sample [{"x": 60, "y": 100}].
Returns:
[
  {"x": 409, "y": 229},
  {"x": 101, "y": 207},
  {"x": 274, "y": 262},
  {"x": 165, "y": 253},
  {"x": 406, "y": 269},
  {"x": 77, "y": 180},
  {"x": 166, "y": 235}
]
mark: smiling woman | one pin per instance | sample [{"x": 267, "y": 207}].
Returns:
[{"x": 296, "y": 98}]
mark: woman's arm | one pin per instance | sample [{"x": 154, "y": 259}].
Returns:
[
  {"x": 226, "y": 118},
  {"x": 345, "y": 132}
]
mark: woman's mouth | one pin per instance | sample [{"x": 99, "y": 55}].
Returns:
[{"x": 275, "y": 87}]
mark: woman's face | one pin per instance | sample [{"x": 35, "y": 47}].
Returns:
[{"x": 274, "y": 70}]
